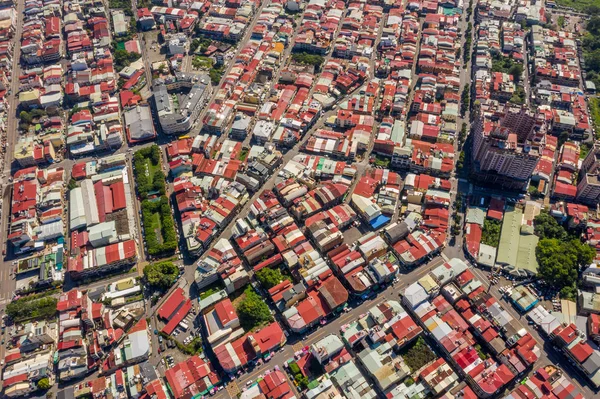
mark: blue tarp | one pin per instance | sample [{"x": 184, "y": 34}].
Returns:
[{"x": 379, "y": 221}]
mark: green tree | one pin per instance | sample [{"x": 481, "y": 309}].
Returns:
[
  {"x": 121, "y": 58},
  {"x": 155, "y": 154},
  {"x": 72, "y": 184},
  {"x": 465, "y": 99},
  {"x": 491, "y": 232},
  {"x": 38, "y": 113},
  {"x": 560, "y": 261},
  {"x": 253, "y": 310},
  {"x": 159, "y": 231},
  {"x": 215, "y": 75},
  {"x": 516, "y": 71},
  {"x": 302, "y": 381},
  {"x": 145, "y": 181},
  {"x": 32, "y": 308},
  {"x": 25, "y": 117},
  {"x": 592, "y": 10},
  {"x": 562, "y": 138},
  {"x": 159, "y": 182},
  {"x": 294, "y": 368},
  {"x": 569, "y": 293},
  {"x": 194, "y": 45},
  {"x": 134, "y": 56},
  {"x": 161, "y": 275},
  {"x": 593, "y": 25},
  {"x": 547, "y": 227},
  {"x": 269, "y": 277},
  {"x": 44, "y": 384},
  {"x": 417, "y": 355},
  {"x": 463, "y": 133},
  {"x": 308, "y": 59}
]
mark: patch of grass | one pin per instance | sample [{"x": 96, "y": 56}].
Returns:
[
  {"x": 211, "y": 290},
  {"x": 134, "y": 298},
  {"x": 191, "y": 349},
  {"x": 507, "y": 65},
  {"x": 243, "y": 155},
  {"x": 384, "y": 162},
  {"x": 202, "y": 62}
]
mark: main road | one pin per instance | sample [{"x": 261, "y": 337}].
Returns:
[{"x": 7, "y": 281}]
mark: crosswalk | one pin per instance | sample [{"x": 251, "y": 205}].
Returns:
[
  {"x": 6, "y": 297},
  {"x": 233, "y": 389},
  {"x": 298, "y": 346}
]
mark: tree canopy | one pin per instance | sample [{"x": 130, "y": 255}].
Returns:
[
  {"x": 491, "y": 232},
  {"x": 547, "y": 227},
  {"x": 123, "y": 58},
  {"x": 591, "y": 49},
  {"x": 159, "y": 227},
  {"x": 44, "y": 384},
  {"x": 269, "y": 277},
  {"x": 308, "y": 59},
  {"x": 417, "y": 355},
  {"x": 252, "y": 310},
  {"x": 148, "y": 175},
  {"x": 27, "y": 308},
  {"x": 560, "y": 261},
  {"x": 161, "y": 275}
]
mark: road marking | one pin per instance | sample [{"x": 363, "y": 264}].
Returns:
[
  {"x": 297, "y": 347},
  {"x": 233, "y": 389}
]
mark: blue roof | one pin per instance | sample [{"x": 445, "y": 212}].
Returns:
[{"x": 379, "y": 221}]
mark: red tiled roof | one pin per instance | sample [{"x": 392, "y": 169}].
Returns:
[
  {"x": 118, "y": 196},
  {"x": 225, "y": 312},
  {"x": 167, "y": 310},
  {"x": 405, "y": 329},
  {"x": 178, "y": 317},
  {"x": 191, "y": 377},
  {"x": 581, "y": 351}
]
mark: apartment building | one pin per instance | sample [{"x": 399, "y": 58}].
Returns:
[{"x": 500, "y": 158}]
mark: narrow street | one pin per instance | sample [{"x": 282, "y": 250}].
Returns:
[{"x": 333, "y": 327}]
